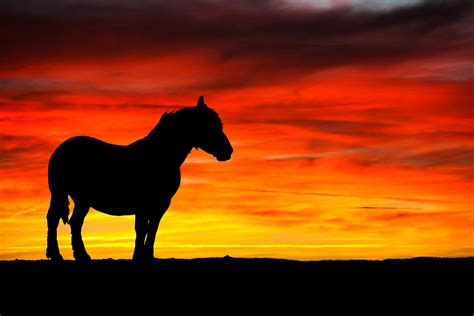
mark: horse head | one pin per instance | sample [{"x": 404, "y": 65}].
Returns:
[{"x": 209, "y": 133}]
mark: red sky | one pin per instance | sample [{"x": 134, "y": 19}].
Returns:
[{"x": 352, "y": 125}]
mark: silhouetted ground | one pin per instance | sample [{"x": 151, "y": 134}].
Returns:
[{"x": 224, "y": 286}]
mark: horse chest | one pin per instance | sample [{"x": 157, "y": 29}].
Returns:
[{"x": 157, "y": 181}]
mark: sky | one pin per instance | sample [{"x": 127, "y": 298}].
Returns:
[{"x": 352, "y": 122}]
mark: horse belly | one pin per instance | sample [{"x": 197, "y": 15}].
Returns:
[
  {"x": 112, "y": 202},
  {"x": 112, "y": 210}
]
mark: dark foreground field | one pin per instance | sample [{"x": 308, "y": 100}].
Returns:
[{"x": 246, "y": 286}]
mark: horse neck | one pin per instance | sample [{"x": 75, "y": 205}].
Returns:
[{"x": 166, "y": 148}]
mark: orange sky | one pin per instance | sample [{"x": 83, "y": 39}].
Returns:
[{"x": 352, "y": 127}]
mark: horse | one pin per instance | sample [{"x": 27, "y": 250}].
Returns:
[{"x": 138, "y": 179}]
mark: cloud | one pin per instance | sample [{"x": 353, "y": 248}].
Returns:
[
  {"x": 36, "y": 94},
  {"x": 355, "y": 195},
  {"x": 305, "y": 157},
  {"x": 23, "y": 152},
  {"x": 461, "y": 156},
  {"x": 344, "y": 127},
  {"x": 251, "y": 39},
  {"x": 282, "y": 218},
  {"x": 448, "y": 218},
  {"x": 381, "y": 208},
  {"x": 447, "y": 157}
]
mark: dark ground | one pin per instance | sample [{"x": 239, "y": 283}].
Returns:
[{"x": 420, "y": 286}]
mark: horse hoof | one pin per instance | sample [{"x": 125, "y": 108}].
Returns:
[
  {"x": 82, "y": 257},
  {"x": 55, "y": 257},
  {"x": 142, "y": 258}
]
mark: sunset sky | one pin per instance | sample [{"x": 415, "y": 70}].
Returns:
[{"x": 352, "y": 122}]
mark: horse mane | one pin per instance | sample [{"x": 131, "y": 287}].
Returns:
[
  {"x": 168, "y": 119},
  {"x": 163, "y": 124}
]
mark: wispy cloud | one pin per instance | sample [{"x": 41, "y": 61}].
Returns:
[
  {"x": 306, "y": 157},
  {"x": 23, "y": 151}
]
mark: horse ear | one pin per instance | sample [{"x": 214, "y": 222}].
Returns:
[{"x": 200, "y": 102}]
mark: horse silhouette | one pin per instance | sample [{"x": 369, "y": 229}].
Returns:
[{"x": 139, "y": 179}]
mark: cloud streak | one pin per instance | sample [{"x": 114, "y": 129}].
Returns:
[{"x": 24, "y": 151}]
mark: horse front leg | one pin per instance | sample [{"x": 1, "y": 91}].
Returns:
[
  {"x": 153, "y": 222},
  {"x": 146, "y": 226},
  {"x": 141, "y": 223},
  {"x": 152, "y": 228}
]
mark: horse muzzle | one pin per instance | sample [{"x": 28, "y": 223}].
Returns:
[{"x": 224, "y": 157}]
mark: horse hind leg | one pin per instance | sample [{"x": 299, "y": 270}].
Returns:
[
  {"x": 76, "y": 222},
  {"x": 58, "y": 208}
]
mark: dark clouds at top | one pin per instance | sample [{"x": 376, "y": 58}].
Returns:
[{"x": 267, "y": 36}]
